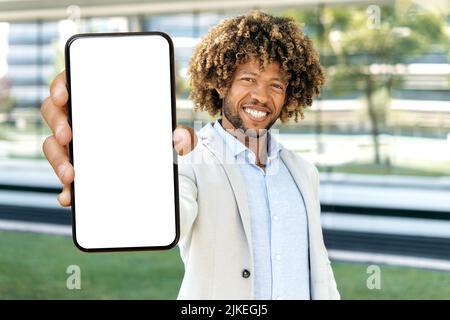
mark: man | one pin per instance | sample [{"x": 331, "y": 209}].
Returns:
[{"x": 249, "y": 208}]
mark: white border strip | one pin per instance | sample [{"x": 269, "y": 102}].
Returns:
[
  {"x": 47, "y": 228},
  {"x": 386, "y": 225},
  {"x": 394, "y": 260}
]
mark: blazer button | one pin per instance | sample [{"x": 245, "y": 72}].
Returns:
[{"x": 245, "y": 273}]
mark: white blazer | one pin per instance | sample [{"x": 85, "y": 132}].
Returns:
[{"x": 215, "y": 242}]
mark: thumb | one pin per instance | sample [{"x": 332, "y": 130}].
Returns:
[{"x": 184, "y": 139}]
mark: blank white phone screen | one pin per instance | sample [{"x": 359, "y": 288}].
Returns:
[{"x": 121, "y": 112}]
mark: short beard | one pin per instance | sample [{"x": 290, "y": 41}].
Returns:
[{"x": 237, "y": 122}]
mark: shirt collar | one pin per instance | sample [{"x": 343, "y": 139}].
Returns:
[{"x": 238, "y": 147}]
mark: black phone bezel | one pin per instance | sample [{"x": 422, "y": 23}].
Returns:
[{"x": 173, "y": 106}]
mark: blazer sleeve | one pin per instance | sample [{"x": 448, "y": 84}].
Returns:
[
  {"x": 332, "y": 287},
  {"x": 187, "y": 188}
]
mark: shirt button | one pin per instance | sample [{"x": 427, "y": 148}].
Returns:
[
  {"x": 275, "y": 218},
  {"x": 278, "y": 257},
  {"x": 245, "y": 273}
]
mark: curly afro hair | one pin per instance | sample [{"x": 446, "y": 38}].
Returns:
[{"x": 267, "y": 38}]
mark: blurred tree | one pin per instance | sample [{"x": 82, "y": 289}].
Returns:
[
  {"x": 181, "y": 83},
  {"x": 7, "y": 102},
  {"x": 363, "y": 49}
]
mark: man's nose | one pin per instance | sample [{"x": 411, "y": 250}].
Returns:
[{"x": 259, "y": 93}]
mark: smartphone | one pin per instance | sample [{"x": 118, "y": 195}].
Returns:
[{"x": 122, "y": 112}]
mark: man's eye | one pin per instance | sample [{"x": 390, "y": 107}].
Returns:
[
  {"x": 277, "y": 86},
  {"x": 248, "y": 79}
]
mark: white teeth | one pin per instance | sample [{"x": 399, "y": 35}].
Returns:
[{"x": 255, "y": 113}]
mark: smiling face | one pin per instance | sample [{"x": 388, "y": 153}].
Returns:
[{"x": 255, "y": 98}]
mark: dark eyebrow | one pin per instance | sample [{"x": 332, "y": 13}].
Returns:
[
  {"x": 251, "y": 73},
  {"x": 277, "y": 79}
]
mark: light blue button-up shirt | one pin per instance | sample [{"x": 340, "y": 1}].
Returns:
[{"x": 278, "y": 219}]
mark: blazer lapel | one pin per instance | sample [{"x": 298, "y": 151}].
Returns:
[{"x": 216, "y": 145}]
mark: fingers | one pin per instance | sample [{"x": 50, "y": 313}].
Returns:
[
  {"x": 54, "y": 110},
  {"x": 58, "y": 158},
  {"x": 58, "y": 90},
  {"x": 56, "y": 118},
  {"x": 64, "y": 198},
  {"x": 184, "y": 139}
]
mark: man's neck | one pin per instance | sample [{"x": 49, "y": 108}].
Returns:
[{"x": 258, "y": 145}]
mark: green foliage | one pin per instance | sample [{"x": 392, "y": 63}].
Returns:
[
  {"x": 349, "y": 45},
  {"x": 362, "y": 53},
  {"x": 7, "y": 102},
  {"x": 181, "y": 84}
]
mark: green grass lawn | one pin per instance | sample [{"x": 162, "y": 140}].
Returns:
[
  {"x": 33, "y": 266},
  {"x": 381, "y": 169}
]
